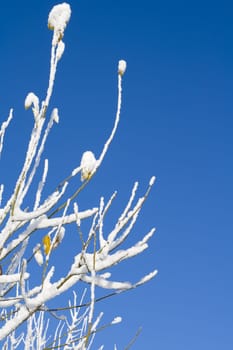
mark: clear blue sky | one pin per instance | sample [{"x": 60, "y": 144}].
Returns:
[{"x": 176, "y": 123}]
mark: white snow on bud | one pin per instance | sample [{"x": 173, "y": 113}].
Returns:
[
  {"x": 105, "y": 275},
  {"x": 88, "y": 164},
  {"x": 122, "y": 67},
  {"x": 59, "y": 237},
  {"x": 59, "y": 17},
  {"x": 55, "y": 115},
  {"x": 152, "y": 181},
  {"x": 38, "y": 255},
  {"x": 30, "y": 100},
  {"x": 116, "y": 320},
  {"x": 60, "y": 49}
]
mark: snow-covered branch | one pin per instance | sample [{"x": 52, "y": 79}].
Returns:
[{"x": 30, "y": 235}]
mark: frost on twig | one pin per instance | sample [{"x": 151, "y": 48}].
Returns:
[
  {"x": 29, "y": 236},
  {"x": 32, "y": 100},
  {"x": 3, "y": 129}
]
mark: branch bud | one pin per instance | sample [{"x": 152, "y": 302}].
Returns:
[
  {"x": 60, "y": 49},
  {"x": 122, "y": 67},
  {"x": 38, "y": 255},
  {"x": 31, "y": 99},
  {"x": 55, "y": 115},
  {"x": 58, "y": 18},
  {"x": 88, "y": 164}
]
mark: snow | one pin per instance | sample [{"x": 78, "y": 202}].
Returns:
[
  {"x": 116, "y": 122},
  {"x": 13, "y": 278},
  {"x": 41, "y": 184},
  {"x": 4, "y": 127},
  {"x": 38, "y": 255},
  {"x": 55, "y": 116},
  {"x": 59, "y": 237},
  {"x": 30, "y": 99},
  {"x": 1, "y": 193},
  {"x": 105, "y": 284},
  {"x": 76, "y": 171},
  {"x": 152, "y": 181},
  {"x": 88, "y": 165},
  {"x": 116, "y": 320},
  {"x": 148, "y": 277},
  {"x": 122, "y": 67},
  {"x": 59, "y": 17},
  {"x": 60, "y": 49},
  {"x": 22, "y": 223},
  {"x": 45, "y": 223}
]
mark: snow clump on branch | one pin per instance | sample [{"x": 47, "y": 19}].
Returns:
[
  {"x": 88, "y": 165},
  {"x": 59, "y": 16},
  {"x": 122, "y": 67}
]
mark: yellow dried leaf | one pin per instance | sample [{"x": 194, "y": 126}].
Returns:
[{"x": 47, "y": 244}]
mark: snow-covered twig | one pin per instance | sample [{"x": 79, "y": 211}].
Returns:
[
  {"x": 3, "y": 129},
  {"x": 29, "y": 236}
]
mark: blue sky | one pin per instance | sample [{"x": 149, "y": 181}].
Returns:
[{"x": 176, "y": 123}]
